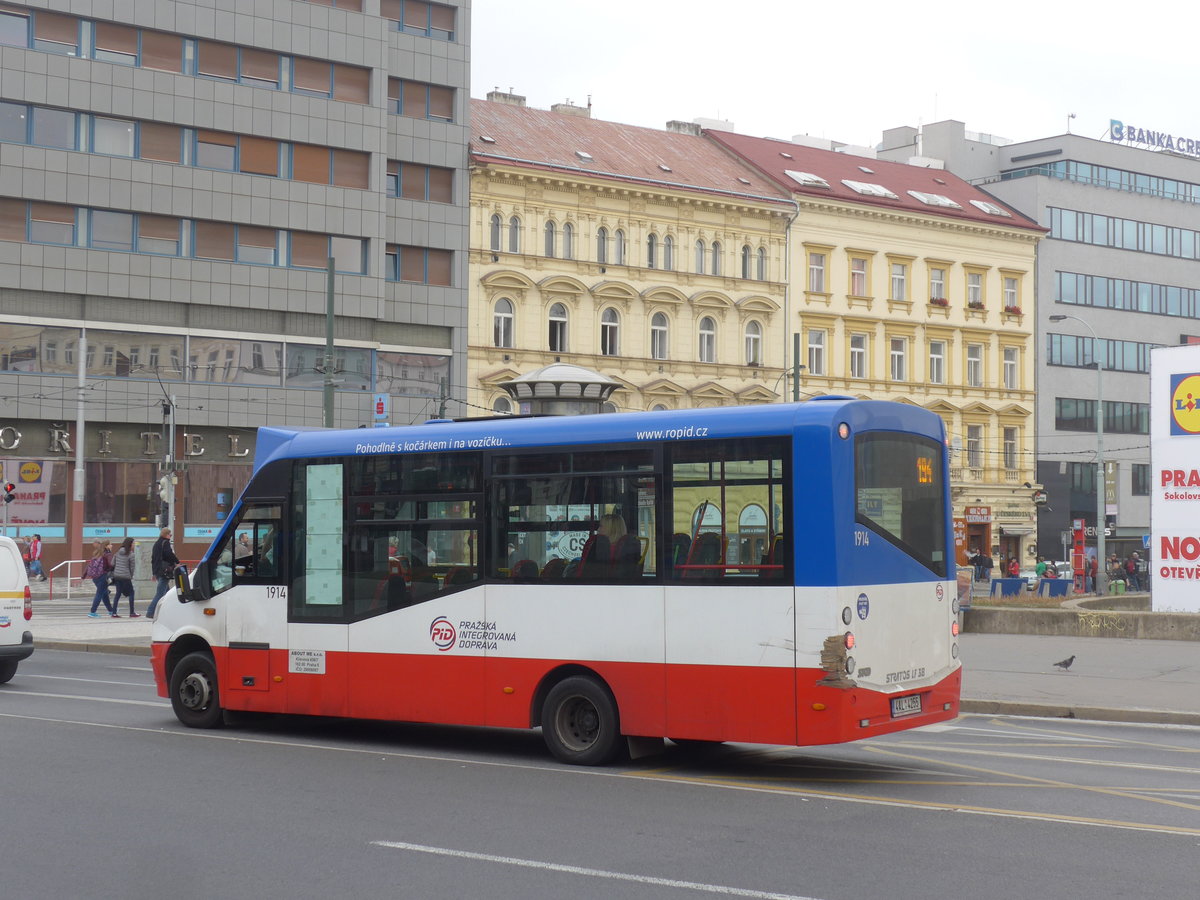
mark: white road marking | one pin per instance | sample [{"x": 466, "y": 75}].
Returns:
[
  {"x": 591, "y": 873},
  {"x": 158, "y": 703},
  {"x": 88, "y": 680}
]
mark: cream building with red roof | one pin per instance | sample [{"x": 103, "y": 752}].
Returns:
[
  {"x": 681, "y": 262},
  {"x": 584, "y": 238},
  {"x": 910, "y": 284}
]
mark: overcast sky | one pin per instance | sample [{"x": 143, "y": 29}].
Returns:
[{"x": 783, "y": 67}]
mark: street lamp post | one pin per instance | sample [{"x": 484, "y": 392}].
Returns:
[{"x": 1101, "y": 559}]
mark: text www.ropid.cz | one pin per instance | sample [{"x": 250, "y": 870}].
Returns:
[{"x": 672, "y": 433}]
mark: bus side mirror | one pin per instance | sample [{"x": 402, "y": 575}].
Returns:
[{"x": 183, "y": 585}]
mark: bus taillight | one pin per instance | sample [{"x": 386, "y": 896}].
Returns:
[{"x": 849, "y": 640}]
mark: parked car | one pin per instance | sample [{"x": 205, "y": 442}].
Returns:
[{"x": 16, "y": 609}]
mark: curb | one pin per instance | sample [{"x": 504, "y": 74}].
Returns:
[
  {"x": 125, "y": 649},
  {"x": 1090, "y": 713}
]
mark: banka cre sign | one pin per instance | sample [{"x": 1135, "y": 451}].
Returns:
[{"x": 1121, "y": 133}]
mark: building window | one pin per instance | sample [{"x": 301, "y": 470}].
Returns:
[
  {"x": 114, "y": 137},
  {"x": 658, "y": 336},
  {"x": 610, "y": 333},
  {"x": 494, "y": 227},
  {"x": 502, "y": 406},
  {"x": 858, "y": 277},
  {"x": 1140, "y": 479},
  {"x": 502, "y": 323},
  {"x": 753, "y": 344},
  {"x": 937, "y": 362},
  {"x": 54, "y": 128},
  {"x": 1011, "y": 372},
  {"x": 937, "y": 284},
  {"x": 1083, "y": 478},
  {"x": 417, "y": 100},
  {"x": 1010, "y": 448},
  {"x": 974, "y": 365},
  {"x": 558, "y": 328},
  {"x": 898, "y": 348},
  {"x": 550, "y": 239},
  {"x": 975, "y": 290},
  {"x": 418, "y": 265},
  {"x": 899, "y": 281},
  {"x": 568, "y": 241},
  {"x": 514, "y": 235},
  {"x": 51, "y": 223},
  {"x": 816, "y": 352},
  {"x": 700, "y": 254},
  {"x": 56, "y": 33},
  {"x": 669, "y": 253},
  {"x": 975, "y": 446},
  {"x": 111, "y": 231},
  {"x": 708, "y": 340},
  {"x": 432, "y": 20},
  {"x": 1011, "y": 297},
  {"x": 218, "y": 150},
  {"x": 412, "y": 181},
  {"x": 619, "y": 247},
  {"x": 858, "y": 356},
  {"x": 652, "y": 251},
  {"x": 716, "y": 257},
  {"x": 14, "y": 29},
  {"x": 762, "y": 264},
  {"x": 602, "y": 246},
  {"x": 746, "y": 257},
  {"x": 816, "y": 272}
]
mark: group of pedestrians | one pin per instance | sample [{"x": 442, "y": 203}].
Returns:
[{"x": 119, "y": 569}]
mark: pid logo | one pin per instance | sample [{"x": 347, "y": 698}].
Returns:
[{"x": 442, "y": 633}]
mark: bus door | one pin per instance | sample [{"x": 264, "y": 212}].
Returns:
[
  {"x": 317, "y": 627},
  {"x": 244, "y": 573}
]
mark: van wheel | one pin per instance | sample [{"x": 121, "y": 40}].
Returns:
[
  {"x": 194, "y": 694},
  {"x": 8, "y": 669},
  {"x": 580, "y": 724}
]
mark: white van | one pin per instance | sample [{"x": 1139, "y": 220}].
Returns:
[{"x": 16, "y": 609}]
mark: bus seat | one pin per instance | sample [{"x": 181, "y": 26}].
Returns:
[
  {"x": 525, "y": 571},
  {"x": 456, "y": 575},
  {"x": 776, "y": 555},
  {"x": 707, "y": 550},
  {"x": 626, "y": 557},
  {"x": 595, "y": 558},
  {"x": 681, "y": 545},
  {"x": 554, "y": 569}
]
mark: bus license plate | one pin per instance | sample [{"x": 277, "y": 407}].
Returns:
[{"x": 906, "y": 706}]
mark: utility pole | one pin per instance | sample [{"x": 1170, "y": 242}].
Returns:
[
  {"x": 77, "y": 495},
  {"x": 329, "y": 345}
]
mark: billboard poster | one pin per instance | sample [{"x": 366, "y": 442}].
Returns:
[
  {"x": 1175, "y": 469},
  {"x": 32, "y": 478}
]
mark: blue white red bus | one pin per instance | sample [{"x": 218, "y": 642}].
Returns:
[{"x": 770, "y": 574}]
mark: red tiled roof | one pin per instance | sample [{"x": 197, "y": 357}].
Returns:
[
  {"x": 768, "y": 156},
  {"x": 541, "y": 139}
]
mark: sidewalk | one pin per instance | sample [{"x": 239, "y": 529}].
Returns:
[{"x": 1112, "y": 679}]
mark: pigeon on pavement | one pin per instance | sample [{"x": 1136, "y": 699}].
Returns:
[{"x": 1066, "y": 663}]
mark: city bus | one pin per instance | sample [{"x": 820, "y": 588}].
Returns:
[{"x": 774, "y": 574}]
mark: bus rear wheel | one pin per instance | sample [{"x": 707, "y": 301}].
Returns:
[
  {"x": 194, "y": 695},
  {"x": 580, "y": 723}
]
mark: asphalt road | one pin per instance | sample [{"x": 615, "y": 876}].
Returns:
[{"x": 104, "y": 795}]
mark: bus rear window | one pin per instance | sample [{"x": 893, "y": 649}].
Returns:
[{"x": 900, "y": 494}]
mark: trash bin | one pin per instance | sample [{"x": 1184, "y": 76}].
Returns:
[{"x": 1116, "y": 587}]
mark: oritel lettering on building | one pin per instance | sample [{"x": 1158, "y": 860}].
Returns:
[{"x": 1161, "y": 140}]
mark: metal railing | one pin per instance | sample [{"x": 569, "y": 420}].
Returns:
[{"x": 68, "y": 563}]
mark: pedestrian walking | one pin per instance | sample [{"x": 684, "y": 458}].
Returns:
[
  {"x": 97, "y": 570},
  {"x": 122, "y": 575},
  {"x": 162, "y": 565},
  {"x": 35, "y": 558}
]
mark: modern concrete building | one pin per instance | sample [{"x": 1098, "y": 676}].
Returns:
[
  {"x": 174, "y": 177},
  {"x": 1123, "y": 257}
]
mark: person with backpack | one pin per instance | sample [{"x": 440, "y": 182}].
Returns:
[
  {"x": 162, "y": 565},
  {"x": 1132, "y": 577},
  {"x": 97, "y": 569}
]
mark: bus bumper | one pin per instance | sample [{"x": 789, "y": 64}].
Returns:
[{"x": 836, "y": 715}]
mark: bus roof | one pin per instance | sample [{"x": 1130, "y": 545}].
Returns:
[{"x": 613, "y": 428}]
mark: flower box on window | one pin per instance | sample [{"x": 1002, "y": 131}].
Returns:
[
  {"x": 938, "y": 301},
  {"x": 975, "y": 304},
  {"x": 1013, "y": 310}
]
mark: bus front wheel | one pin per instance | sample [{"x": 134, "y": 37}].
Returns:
[
  {"x": 580, "y": 723},
  {"x": 194, "y": 694}
]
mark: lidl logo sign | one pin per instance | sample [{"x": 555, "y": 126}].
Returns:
[
  {"x": 1185, "y": 404},
  {"x": 31, "y": 472}
]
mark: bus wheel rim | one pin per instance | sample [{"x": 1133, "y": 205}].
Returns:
[
  {"x": 195, "y": 692},
  {"x": 579, "y": 723}
]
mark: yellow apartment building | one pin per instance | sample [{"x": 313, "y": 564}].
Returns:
[
  {"x": 909, "y": 284},
  {"x": 651, "y": 256}
]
